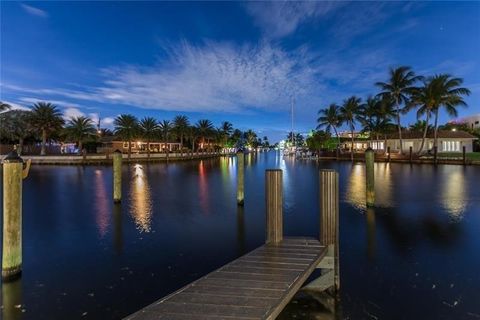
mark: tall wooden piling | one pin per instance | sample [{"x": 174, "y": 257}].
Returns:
[
  {"x": 388, "y": 154},
  {"x": 240, "y": 177},
  {"x": 117, "y": 176},
  {"x": 13, "y": 174},
  {"x": 329, "y": 218},
  {"x": 370, "y": 177},
  {"x": 411, "y": 154},
  {"x": 435, "y": 151},
  {"x": 273, "y": 205},
  {"x": 464, "y": 155}
]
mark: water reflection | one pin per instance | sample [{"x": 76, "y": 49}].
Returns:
[
  {"x": 383, "y": 185},
  {"x": 203, "y": 187},
  {"x": 241, "y": 230},
  {"x": 371, "y": 236},
  {"x": 12, "y": 308},
  {"x": 355, "y": 192},
  {"x": 117, "y": 228},
  {"x": 102, "y": 215},
  {"x": 140, "y": 199},
  {"x": 454, "y": 194}
]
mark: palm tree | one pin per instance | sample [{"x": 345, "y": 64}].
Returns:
[
  {"x": 204, "y": 129},
  {"x": 126, "y": 126},
  {"x": 225, "y": 131},
  {"x": 15, "y": 126},
  {"x": 438, "y": 91},
  {"x": 78, "y": 128},
  {"x": 368, "y": 116},
  {"x": 330, "y": 118},
  {"x": 250, "y": 137},
  {"x": 399, "y": 88},
  {"x": 4, "y": 106},
  {"x": 419, "y": 126},
  {"x": 180, "y": 126},
  {"x": 349, "y": 111},
  {"x": 46, "y": 119},
  {"x": 165, "y": 127},
  {"x": 149, "y": 129}
]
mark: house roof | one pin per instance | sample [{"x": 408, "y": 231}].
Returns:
[{"x": 442, "y": 134}]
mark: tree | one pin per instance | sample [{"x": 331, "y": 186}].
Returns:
[
  {"x": 438, "y": 91},
  {"x": 149, "y": 129},
  {"x": 250, "y": 138},
  {"x": 368, "y": 116},
  {"x": 266, "y": 143},
  {"x": 4, "y": 106},
  {"x": 180, "y": 127},
  {"x": 297, "y": 138},
  {"x": 15, "y": 126},
  {"x": 318, "y": 140},
  {"x": 225, "y": 131},
  {"x": 349, "y": 111},
  {"x": 126, "y": 126},
  {"x": 46, "y": 119},
  {"x": 165, "y": 127},
  {"x": 330, "y": 118},
  {"x": 204, "y": 129},
  {"x": 79, "y": 128},
  {"x": 399, "y": 88},
  {"x": 419, "y": 126}
]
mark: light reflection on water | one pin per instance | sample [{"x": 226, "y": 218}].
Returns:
[
  {"x": 454, "y": 194},
  {"x": 102, "y": 212},
  {"x": 140, "y": 199},
  {"x": 203, "y": 188}
]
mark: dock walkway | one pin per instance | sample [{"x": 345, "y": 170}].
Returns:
[{"x": 257, "y": 285}]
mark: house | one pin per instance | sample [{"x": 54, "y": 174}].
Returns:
[
  {"x": 472, "y": 122},
  {"x": 448, "y": 141},
  {"x": 110, "y": 144}
]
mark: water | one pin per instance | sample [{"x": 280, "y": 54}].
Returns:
[{"x": 416, "y": 256}]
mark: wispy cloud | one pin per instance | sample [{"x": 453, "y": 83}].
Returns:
[
  {"x": 34, "y": 11},
  {"x": 61, "y": 103},
  {"x": 278, "y": 19}
]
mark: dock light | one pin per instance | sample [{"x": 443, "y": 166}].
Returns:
[
  {"x": 138, "y": 170},
  {"x": 454, "y": 129}
]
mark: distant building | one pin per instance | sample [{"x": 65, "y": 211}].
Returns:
[
  {"x": 110, "y": 144},
  {"x": 473, "y": 122},
  {"x": 448, "y": 141}
]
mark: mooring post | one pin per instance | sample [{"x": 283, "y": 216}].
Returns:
[
  {"x": 329, "y": 218},
  {"x": 411, "y": 154},
  {"x": 435, "y": 149},
  {"x": 464, "y": 154},
  {"x": 388, "y": 154},
  {"x": 337, "y": 152},
  {"x": 273, "y": 204},
  {"x": 13, "y": 174},
  {"x": 240, "y": 177},
  {"x": 370, "y": 177},
  {"x": 117, "y": 176}
]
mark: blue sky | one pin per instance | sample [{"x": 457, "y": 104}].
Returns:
[{"x": 235, "y": 61}]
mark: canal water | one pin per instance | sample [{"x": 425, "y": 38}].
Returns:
[{"x": 415, "y": 256}]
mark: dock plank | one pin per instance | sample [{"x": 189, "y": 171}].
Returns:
[{"x": 257, "y": 285}]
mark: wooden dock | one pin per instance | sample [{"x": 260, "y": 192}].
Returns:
[
  {"x": 261, "y": 283},
  {"x": 257, "y": 285}
]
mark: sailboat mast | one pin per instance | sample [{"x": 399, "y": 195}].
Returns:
[{"x": 293, "y": 134}]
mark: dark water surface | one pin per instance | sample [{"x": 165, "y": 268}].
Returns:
[{"x": 416, "y": 256}]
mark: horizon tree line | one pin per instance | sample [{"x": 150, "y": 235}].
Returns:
[
  {"x": 404, "y": 91},
  {"x": 46, "y": 122}
]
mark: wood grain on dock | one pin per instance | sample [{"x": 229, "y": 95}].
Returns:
[{"x": 257, "y": 285}]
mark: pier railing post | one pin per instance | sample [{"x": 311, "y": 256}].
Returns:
[
  {"x": 13, "y": 174},
  {"x": 117, "y": 176},
  {"x": 240, "y": 177},
  {"x": 464, "y": 155},
  {"x": 370, "y": 177},
  {"x": 329, "y": 218},
  {"x": 273, "y": 205}
]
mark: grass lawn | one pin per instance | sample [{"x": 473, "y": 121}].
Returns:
[{"x": 470, "y": 155}]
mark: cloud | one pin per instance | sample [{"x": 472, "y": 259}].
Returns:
[
  {"x": 16, "y": 106},
  {"x": 33, "y": 100},
  {"x": 279, "y": 19},
  {"x": 34, "y": 11}
]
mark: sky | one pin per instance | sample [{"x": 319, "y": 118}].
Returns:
[{"x": 228, "y": 61}]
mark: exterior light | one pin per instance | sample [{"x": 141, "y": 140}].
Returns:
[{"x": 454, "y": 129}]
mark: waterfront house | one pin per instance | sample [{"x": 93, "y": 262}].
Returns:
[
  {"x": 448, "y": 141},
  {"x": 111, "y": 143}
]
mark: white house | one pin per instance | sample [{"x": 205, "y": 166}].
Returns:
[{"x": 448, "y": 141}]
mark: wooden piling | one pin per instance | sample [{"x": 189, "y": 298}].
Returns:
[
  {"x": 240, "y": 178},
  {"x": 329, "y": 218},
  {"x": 411, "y": 154},
  {"x": 370, "y": 177},
  {"x": 273, "y": 205},
  {"x": 117, "y": 176},
  {"x": 464, "y": 155},
  {"x": 388, "y": 154},
  {"x": 12, "y": 216},
  {"x": 435, "y": 151}
]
